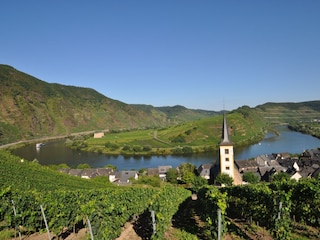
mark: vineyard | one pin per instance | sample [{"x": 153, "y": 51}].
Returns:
[
  {"x": 70, "y": 203},
  {"x": 37, "y": 199},
  {"x": 277, "y": 206}
]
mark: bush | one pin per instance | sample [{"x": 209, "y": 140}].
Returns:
[
  {"x": 250, "y": 177},
  {"x": 224, "y": 179},
  {"x": 179, "y": 139},
  {"x": 172, "y": 175},
  {"x": 187, "y": 149},
  {"x": 153, "y": 181},
  {"x": 146, "y": 148}
]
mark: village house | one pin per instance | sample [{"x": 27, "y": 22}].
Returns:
[
  {"x": 244, "y": 166},
  {"x": 98, "y": 135},
  {"x": 153, "y": 171},
  {"x": 204, "y": 170},
  {"x": 88, "y": 173},
  {"x": 163, "y": 171},
  {"x": 264, "y": 166},
  {"x": 125, "y": 177}
]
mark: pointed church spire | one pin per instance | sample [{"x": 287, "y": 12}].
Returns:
[{"x": 225, "y": 140}]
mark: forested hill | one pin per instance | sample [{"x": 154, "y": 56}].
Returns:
[{"x": 31, "y": 108}]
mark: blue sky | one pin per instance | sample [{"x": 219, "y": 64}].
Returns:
[{"x": 199, "y": 54}]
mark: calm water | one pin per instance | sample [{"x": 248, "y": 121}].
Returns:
[{"x": 56, "y": 153}]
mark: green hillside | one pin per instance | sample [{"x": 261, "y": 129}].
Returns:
[
  {"x": 277, "y": 113},
  {"x": 31, "y": 108},
  {"x": 245, "y": 127},
  {"x": 29, "y": 176}
]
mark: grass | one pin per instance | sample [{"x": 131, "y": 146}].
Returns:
[{"x": 245, "y": 127}]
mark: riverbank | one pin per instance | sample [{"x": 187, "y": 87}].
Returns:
[
  {"x": 43, "y": 139},
  {"x": 56, "y": 152}
]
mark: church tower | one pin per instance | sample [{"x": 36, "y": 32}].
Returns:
[{"x": 226, "y": 151}]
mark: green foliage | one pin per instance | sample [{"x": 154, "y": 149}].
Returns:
[
  {"x": 187, "y": 172},
  {"x": 69, "y": 200},
  {"x": 185, "y": 138},
  {"x": 181, "y": 234},
  {"x": 107, "y": 209},
  {"x": 212, "y": 200},
  {"x": 305, "y": 200},
  {"x": 137, "y": 148},
  {"x": 289, "y": 112},
  {"x": 281, "y": 225},
  {"x": 187, "y": 150},
  {"x": 172, "y": 175},
  {"x": 177, "y": 150},
  {"x": 165, "y": 204},
  {"x": 59, "y": 166},
  {"x": 44, "y": 109},
  {"x": 111, "y": 146},
  {"x": 224, "y": 179},
  {"x": 153, "y": 181},
  {"x": 250, "y": 202},
  {"x": 111, "y": 166},
  {"x": 126, "y": 147},
  {"x": 250, "y": 177},
  {"x": 278, "y": 203},
  {"x": 83, "y": 166},
  {"x": 197, "y": 183},
  {"x": 8, "y": 133},
  {"x": 307, "y": 127},
  {"x": 29, "y": 176},
  {"x": 179, "y": 139},
  {"x": 146, "y": 148},
  {"x": 282, "y": 176}
]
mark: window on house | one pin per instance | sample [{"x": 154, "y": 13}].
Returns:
[
  {"x": 227, "y": 168},
  {"x": 227, "y": 159},
  {"x": 226, "y": 151}
]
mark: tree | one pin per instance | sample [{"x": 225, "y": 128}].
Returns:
[
  {"x": 250, "y": 177},
  {"x": 282, "y": 176},
  {"x": 83, "y": 166},
  {"x": 197, "y": 183},
  {"x": 146, "y": 148},
  {"x": 172, "y": 175},
  {"x": 153, "y": 181},
  {"x": 188, "y": 177},
  {"x": 224, "y": 179},
  {"x": 187, "y": 172},
  {"x": 111, "y": 167}
]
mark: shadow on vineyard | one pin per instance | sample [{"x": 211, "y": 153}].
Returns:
[
  {"x": 188, "y": 218},
  {"x": 143, "y": 226}
]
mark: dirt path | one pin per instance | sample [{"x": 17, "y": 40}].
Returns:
[{"x": 128, "y": 233}]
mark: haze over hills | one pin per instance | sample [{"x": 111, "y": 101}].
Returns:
[{"x": 32, "y": 108}]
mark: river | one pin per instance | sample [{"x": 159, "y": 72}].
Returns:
[{"x": 55, "y": 152}]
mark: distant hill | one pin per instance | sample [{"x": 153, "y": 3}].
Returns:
[
  {"x": 276, "y": 113},
  {"x": 178, "y": 113},
  {"x": 32, "y": 108}
]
